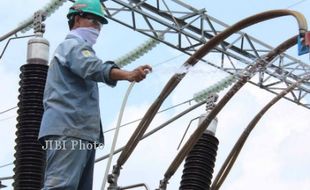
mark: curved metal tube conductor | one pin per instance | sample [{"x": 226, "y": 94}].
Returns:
[
  {"x": 234, "y": 89},
  {"x": 261, "y": 63},
  {"x": 302, "y": 23},
  {"x": 175, "y": 79},
  {"x": 231, "y": 158}
]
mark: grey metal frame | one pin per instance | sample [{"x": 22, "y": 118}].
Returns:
[{"x": 187, "y": 28}]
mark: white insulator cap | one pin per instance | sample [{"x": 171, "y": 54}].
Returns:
[
  {"x": 211, "y": 129},
  {"x": 38, "y": 48}
]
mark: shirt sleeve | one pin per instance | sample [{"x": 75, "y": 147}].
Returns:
[{"x": 83, "y": 61}]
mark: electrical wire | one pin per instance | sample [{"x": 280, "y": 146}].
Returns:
[
  {"x": 168, "y": 60},
  {"x": 207, "y": 48},
  {"x": 158, "y": 128},
  {"x": 295, "y": 4},
  {"x": 197, "y": 97},
  {"x": 12, "y": 108},
  {"x": 5, "y": 165},
  {"x": 13, "y": 38},
  {"x": 161, "y": 111}
]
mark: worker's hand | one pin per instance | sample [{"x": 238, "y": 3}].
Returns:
[{"x": 139, "y": 73}]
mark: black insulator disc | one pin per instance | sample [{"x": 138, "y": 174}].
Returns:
[
  {"x": 30, "y": 157},
  {"x": 38, "y": 157},
  {"x": 33, "y": 66},
  {"x": 199, "y": 164}
]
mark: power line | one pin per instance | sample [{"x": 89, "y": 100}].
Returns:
[
  {"x": 12, "y": 108},
  {"x": 295, "y": 4},
  {"x": 177, "y": 105},
  {"x": 157, "y": 128},
  {"x": 164, "y": 110},
  {"x": 168, "y": 60},
  {"x": 5, "y": 165},
  {"x": 14, "y": 38},
  {"x": 165, "y": 61}
]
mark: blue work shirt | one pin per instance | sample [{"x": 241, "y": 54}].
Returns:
[{"x": 71, "y": 97}]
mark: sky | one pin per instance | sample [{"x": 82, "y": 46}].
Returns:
[{"x": 276, "y": 155}]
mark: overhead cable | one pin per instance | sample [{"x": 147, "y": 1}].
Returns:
[
  {"x": 232, "y": 91},
  {"x": 161, "y": 111},
  {"x": 203, "y": 51},
  {"x": 12, "y": 108},
  {"x": 5, "y": 165},
  {"x": 13, "y": 38},
  {"x": 295, "y": 4},
  {"x": 200, "y": 96},
  {"x": 158, "y": 128}
]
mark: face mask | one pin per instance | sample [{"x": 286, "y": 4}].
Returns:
[{"x": 88, "y": 34}]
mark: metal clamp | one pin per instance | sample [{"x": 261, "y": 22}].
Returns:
[
  {"x": 113, "y": 178},
  {"x": 38, "y": 25},
  {"x": 211, "y": 99}
]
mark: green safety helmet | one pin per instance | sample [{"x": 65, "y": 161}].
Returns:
[{"x": 93, "y": 7}]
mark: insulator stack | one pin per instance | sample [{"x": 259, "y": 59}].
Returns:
[
  {"x": 199, "y": 164},
  {"x": 29, "y": 156}
]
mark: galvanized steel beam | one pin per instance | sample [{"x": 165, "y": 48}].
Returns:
[{"x": 189, "y": 28}]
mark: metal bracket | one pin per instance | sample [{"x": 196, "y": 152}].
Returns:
[
  {"x": 135, "y": 186},
  {"x": 163, "y": 184},
  {"x": 210, "y": 102},
  {"x": 38, "y": 25}
]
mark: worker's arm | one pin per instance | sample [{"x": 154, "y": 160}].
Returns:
[
  {"x": 136, "y": 75},
  {"x": 84, "y": 63}
]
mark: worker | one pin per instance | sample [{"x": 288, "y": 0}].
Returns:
[{"x": 71, "y": 127}]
